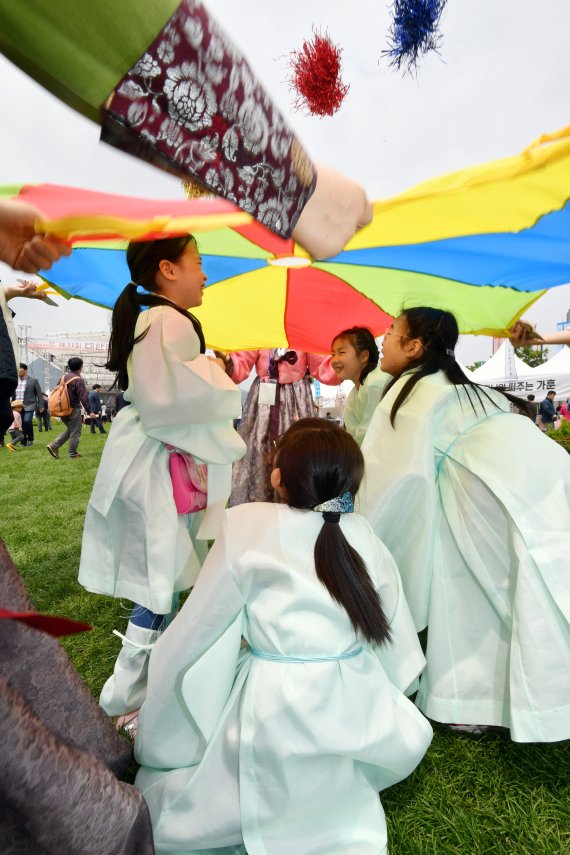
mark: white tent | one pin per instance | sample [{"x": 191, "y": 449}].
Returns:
[
  {"x": 505, "y": 369},
  {"x": 503, "y": 365}
]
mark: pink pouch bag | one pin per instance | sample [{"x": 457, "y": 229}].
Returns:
[{"x": 189, "y": 481}]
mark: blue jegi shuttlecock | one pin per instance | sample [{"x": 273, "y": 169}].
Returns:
[{"x": 414, "y": 31}]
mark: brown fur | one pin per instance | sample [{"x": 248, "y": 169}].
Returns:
[{"x": 57, "y": 793}]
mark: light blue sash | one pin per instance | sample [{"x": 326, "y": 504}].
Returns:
[{"x": 277, "y": 657}]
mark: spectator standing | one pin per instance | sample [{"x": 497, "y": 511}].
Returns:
[
  {"x": 43, "y": 416},
  {"x": 96, "y": 409},
  {"x": 77, "y": 397},
  {"x": 120, "y": 403},
  {"x": 532, "y": 408},
  {"x": 29, "y": 392},
  {"x": 15, "y": 429},
  {"x": 548, "y": 411},
  {"x": 8, "y": 373},
  {"x": 28, "y": 253}
]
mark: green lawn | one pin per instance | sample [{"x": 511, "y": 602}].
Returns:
[{"x": 469, "y": 797}]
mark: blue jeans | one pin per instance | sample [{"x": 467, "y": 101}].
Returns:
[
  {"x": 146, "y": 619},
  {"x": 28, "y": 426}
]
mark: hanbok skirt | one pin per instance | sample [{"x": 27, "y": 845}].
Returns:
[
  {"x": 250, "y": 478},
  {"x": 263, "y": 782}
]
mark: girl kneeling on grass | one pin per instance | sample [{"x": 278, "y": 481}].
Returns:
[
  {"x": 484, "y": 563},
  {"x": 284, "y": 746},
  {"x": 135, "y": 544}
]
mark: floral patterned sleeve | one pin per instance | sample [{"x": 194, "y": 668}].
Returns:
[{"x": 193, "y": 106}]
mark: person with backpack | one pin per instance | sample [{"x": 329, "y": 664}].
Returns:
[{"x": 72, "y": 385}]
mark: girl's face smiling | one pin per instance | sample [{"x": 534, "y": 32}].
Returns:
[
  {"x": 346, "y": 360},
  {"x": 183, "y": 281}
]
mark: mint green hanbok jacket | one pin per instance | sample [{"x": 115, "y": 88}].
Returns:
[
  {"x": 280, "y": 747},
  {"x": 361, "y": 403},
  {"x": 135, "y": 544},
  {"x": 473, "y": 502}
]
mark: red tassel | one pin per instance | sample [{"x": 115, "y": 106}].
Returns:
[
  {"x": 316, "y": 78},
  {"x": 51, "y": 624}
]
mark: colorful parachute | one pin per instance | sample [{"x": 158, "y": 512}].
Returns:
[{"x": 484, "y": 242}]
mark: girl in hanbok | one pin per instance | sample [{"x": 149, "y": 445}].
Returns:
[
  {"x": 485, "y": 568},
  {"x": 283, "y": 746},
  {"x": 280, "y": 395},
  {"x": 135, "y": 544},
  {"x": 355, "y": 356}
]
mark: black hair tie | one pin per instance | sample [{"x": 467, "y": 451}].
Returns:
[{"x": 331, "y": 516}]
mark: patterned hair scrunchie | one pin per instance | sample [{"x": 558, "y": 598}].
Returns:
[{"x": 333, "y": 508}]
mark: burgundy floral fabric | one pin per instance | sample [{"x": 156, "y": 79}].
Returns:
[{"x": 193, "y": 106}]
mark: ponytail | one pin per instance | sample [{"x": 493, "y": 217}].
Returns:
[
  {"x": 321, "y": 469},
  {"x": 143, "y": 260},
  {"x": 125, "y": 314},
  {"x": 343, "y": 573}
]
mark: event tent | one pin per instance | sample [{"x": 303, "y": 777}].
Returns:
[{"x": 507, "y": 370}]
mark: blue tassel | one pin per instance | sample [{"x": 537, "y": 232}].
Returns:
[{"x": 413, "y": 31}]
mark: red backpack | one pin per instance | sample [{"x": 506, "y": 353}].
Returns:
[{"x": 59, "y": 403}]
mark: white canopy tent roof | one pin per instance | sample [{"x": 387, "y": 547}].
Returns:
[
  {"x": 503, "y": 365},
  {"x": 507, "y": 370}
]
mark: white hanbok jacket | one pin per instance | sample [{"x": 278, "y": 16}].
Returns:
[
  {"x": 474, "y": 506},
  {"x": 135, "y": 545},
  {"x": 284, "y": 746},
  {"x": 360, "y": 405}
]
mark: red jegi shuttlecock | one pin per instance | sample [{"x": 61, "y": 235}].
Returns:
[{"x": 316, "y": 76}]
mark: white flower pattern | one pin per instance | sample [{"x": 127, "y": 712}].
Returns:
[
  {"x": 147, "y": 67},
  {"x": 254, "y": 126},
  {"x": 190, "y": 97}
]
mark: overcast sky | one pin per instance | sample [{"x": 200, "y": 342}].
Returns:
[{"x": 500, "y": 81}]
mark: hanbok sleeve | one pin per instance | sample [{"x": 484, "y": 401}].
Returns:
[
  {"x": 320, "y": 367},
  {"x": 372, "y": 391},
  {"x": 193, "y": 667},
  {"x": 242, "y": 362},
  {"x": 351, "y": 412},
  {"x": 398, "y": 494},
  {"x": 185, "y": 399},
  {"x": 402, "y": 658},
  {"x": 173, "y": 385}
]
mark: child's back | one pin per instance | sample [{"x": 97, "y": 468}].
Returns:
[
  {"x": 282, "y": 747},
  {"x": 305, "y": 728}
]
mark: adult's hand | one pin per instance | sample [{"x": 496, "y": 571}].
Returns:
[
  {"x": 20, "y": 246},
  {"x": 523, "y": 333},
  {"x": 335, "y": 211},
  {"x": 24, "y": 288}
]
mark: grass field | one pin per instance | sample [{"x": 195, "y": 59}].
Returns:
[{"x": 469, "y": 797}]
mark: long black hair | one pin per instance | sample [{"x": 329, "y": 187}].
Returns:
[
  {"x": 438, "y": 332},
  {"x": 362, "y": 339},
  {"x": 320, "y": 461},
  {"x": 143, "y": 258}
]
